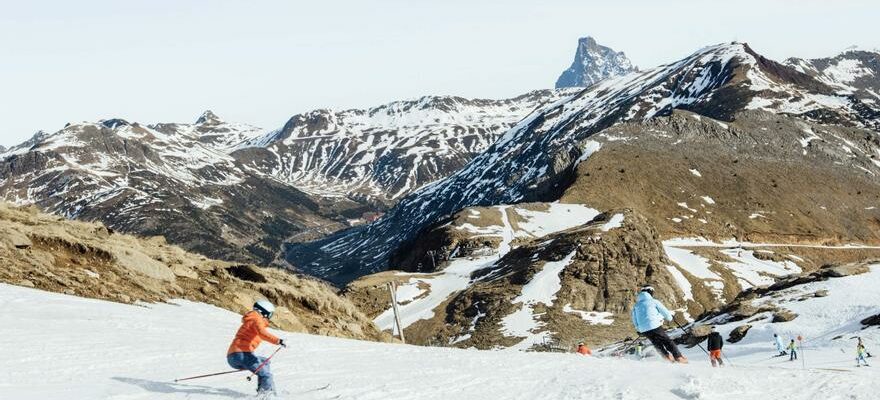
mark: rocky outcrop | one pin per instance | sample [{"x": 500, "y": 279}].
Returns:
[
  {"x": 86, "y": 259},
  {"x": 595, "y": 270},
  {"x": 739, "y": 333},
  {"x": 593, "y": 63}
]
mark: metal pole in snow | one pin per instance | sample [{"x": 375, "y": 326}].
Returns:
[{"x": 392, "y": 287}]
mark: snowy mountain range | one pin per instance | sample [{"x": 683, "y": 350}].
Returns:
[
  {"x": 535, "y": 159},
  {"x": 593, "y": 63},
  {"x": 388, "y": 151},
  {"x": 234, "y": 191},
  {"x": 854, "y": 70}
]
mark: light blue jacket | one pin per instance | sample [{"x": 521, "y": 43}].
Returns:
[{"x": 649, "y": 313}]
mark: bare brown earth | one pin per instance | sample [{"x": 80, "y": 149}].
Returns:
[
  {"x": 764, "y": 188},
  {"x": 86, "y": 259}
]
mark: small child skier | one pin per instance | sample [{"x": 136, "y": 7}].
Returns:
[
  {"x": 792, "y": 347},
  {"x": 716, "y": 342},
  {"x": 860, "y": 355},
  {"x": 251, "y": 333}
]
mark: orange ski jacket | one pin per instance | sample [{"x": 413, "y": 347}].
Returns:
[
  {"x": 251, "y": 333},
  {"x": 583, "y": 349}
]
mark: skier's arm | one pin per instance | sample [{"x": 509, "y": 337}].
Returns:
[
  {"x": 663, "y": 310},
  {"x": 266, "y": 335}
]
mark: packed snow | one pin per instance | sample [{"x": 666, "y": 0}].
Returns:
[{"x": 60, "y": 347}]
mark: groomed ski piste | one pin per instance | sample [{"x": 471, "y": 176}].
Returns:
[{"x": 64, "y": 347}]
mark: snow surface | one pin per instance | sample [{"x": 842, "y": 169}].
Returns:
[
  {"x": 592, "y": 317},
  {"x": 59, "y": 347}
]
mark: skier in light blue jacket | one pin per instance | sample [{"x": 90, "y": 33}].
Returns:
[{"x": 648, "y": 315}]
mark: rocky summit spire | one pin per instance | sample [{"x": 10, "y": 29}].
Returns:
[
  {"x": 592, "y": 63},
  {"x": 208, "y": 117}
]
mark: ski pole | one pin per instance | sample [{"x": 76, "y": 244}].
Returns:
[
  {"x": 263, "y": 364},
  {"x": 205, "y": 376},
  {"x": 698, "y": 345},
  {"x": 723, "y": 354}
]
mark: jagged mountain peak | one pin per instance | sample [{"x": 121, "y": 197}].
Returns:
[
  {"x": 592, "y": 63},
  {"x": 208, "y": 117}
]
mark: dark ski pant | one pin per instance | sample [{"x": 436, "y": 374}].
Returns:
[
  {"x": 793, "y": 355},
  {"x": 662, "y": 342},
  {"x": 251, "y": 362}
]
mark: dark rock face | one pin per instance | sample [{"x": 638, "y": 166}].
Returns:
[
  {"x": 593, "y": 63},
  {"x": 872, "y": 321},
  {"x": 739, "y": 333},
  {"x": 784, "y": 316}
]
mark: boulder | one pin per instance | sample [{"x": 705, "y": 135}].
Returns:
[
  {"x": 739, "y": 333},
  {"x": 840, "y": 271},
  {"x": 784, "y": 316},
  {"x": 872, "y": 321}
]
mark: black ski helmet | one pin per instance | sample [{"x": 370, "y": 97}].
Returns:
[{"x": 647, "y": 288}]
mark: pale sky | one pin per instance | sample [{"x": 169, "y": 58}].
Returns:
[{"x": 261, "y": 62}]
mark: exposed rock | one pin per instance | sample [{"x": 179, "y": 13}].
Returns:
[
  {"x": 784, "y": 316},
  {"x": 872, "y": 321},
  {"x": 604, "y": 271},
  {"x": 840, "y": 271},
  {"x": 26, "y": 283},
  {"x": 739, "y": 333},
  {"x": 821, "y": 293},
  {"x": 593, "y": 63}
]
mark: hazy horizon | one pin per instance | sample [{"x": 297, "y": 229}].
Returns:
[{"x": 155, "y": 61}]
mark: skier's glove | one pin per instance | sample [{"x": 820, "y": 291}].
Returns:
[{"x": 281, "y": 343}]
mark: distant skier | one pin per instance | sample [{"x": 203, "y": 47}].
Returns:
[
  {"x": 780, "y": 345},
  {"x": 867, "y": 353},
  {"x": 860, "y": 354},
  {"x": 716, "y": 342},
  {"x": 251, "y": 333},
  {"x": 584, "y": 350},
  {"x": 792, "y": 348},
  {"x": 647, "y": 316}
]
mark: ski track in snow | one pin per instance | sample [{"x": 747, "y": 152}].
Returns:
[{"x": 65, "y": 347}]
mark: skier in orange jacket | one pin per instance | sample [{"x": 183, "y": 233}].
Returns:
[
  {"x": 251, "y": 333},
  {"x": 583, "y": 349}
]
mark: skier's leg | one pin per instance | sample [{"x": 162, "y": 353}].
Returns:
[
  {"x": 658, "y": 344},
  {"x": 265, "y": 383},
  {"x": 670, "y": 346}
]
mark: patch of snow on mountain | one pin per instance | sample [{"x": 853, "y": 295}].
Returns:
[
  {"x": 752, "y": 271},
  {"x": 542, "y": 288},
  {"x": 591, "y": 317},
  {"x": 558, "y": 217}
]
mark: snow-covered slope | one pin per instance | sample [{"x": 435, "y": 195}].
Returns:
[
  {"x": 64, "y": 347},
  {"x": 534, "y": 159},
  {"x": 593, "y": 63},
  {"x": 388, "y": 151},
  {"x": 854, "y": 70},
  {"x": 175, "y": 180}
]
